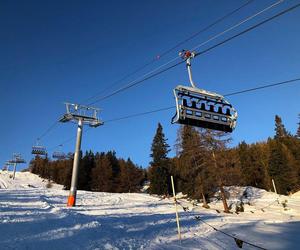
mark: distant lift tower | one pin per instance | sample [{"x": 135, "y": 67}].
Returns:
[
  {"x": 83, "y": 115},
  {"x": 6, "y": 166},
  {"x": 16, "y": 159}
]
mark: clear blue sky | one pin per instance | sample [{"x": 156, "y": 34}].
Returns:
[{"x": 56, "y": 51}]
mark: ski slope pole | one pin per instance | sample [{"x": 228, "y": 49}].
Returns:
[
  {"x": 274, "y": 186},
  {"x": 14, "y": 174},
  {"x": 73, "y": 189},
  {"x": 176, "y": 210}
]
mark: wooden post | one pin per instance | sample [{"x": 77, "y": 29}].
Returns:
[
  {"x": 274, "y": 186},
  {"x": 205, "y": 205},
  {"x": 176, "y": 211}
]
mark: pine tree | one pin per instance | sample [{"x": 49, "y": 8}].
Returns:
[
  {"x": 68, "y": 174},
  {"x": 216, "y": 144},
  {"x": 102, "y": 174},
  {"x": 159, "y": 172},
  {"x": 159, "y": 147},
  {"x": 254, "y": 164},
  {"x": 280, "y": 130},
  {"x": 111, "y": 155},
  {"x": 282, "y": 167},
  {"x": 85, "y": 167},
  {"x": 298, "y": 130},
  {"x": 189, "y": 162},
  {"x": 131, "y": 177}
]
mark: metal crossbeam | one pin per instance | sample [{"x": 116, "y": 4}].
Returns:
[{"x": 88, "y": 115}]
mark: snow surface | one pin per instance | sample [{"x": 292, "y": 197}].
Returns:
[{"x": 35, "y": 217}]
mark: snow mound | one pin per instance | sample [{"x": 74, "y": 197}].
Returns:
[
  {"x": 23, "y": 180},
  {"x": 296, "y": 195}
]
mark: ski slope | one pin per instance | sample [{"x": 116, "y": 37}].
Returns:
[{"x": 35, "y": 217}]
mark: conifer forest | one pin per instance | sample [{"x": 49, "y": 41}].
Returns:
[{"x": 203, "y": 164}]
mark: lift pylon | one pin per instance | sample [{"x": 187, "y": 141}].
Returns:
[
  {"x": 6, "y": 166},
  {"x": 84, "y": 115},
  {"x": 16, "y": 159}
]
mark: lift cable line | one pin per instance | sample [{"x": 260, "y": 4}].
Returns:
[
  {"x": 155, "y": 72},
  {"x": 117, "y": 82},
  {"x": 167, "y": 51},
  {"x": 239, "y": 242},
  {"x": 263, "y": 87},
  {"x": 249, "y": 29},
  {"x": 204, "y": 29},
  {"x": 238, "y": 24},
  {"x": 48, "y": 130},
  {"x": 229, "y": 94},
  {"x": 136, "y": 82},
  {"x": 199, "y": 53},
  {"x": 139, "y": 114},
  {"x": 172, "y": 107}
]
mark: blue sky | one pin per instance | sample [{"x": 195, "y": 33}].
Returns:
[{"x": 56, "y": 51}]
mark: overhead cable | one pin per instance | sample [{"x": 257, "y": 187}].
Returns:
[
  {"x": 164, "y": 53},
  {"x": 172, "y": 107},
  {"x": 161, "y": 68},
  {"x": 149, "y": 76},
  {"x": 154, "y": 72}
]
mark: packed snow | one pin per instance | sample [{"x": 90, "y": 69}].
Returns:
[{"x": 34, "y": 216}]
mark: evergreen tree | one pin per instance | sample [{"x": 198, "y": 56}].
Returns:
[
  {"x": 298, "y": 130},
  {"x": 254, "y": 161},
  {"x": 280, "y": 130},
  {"x": 282, "y": 167},
  {"x": 159, "y": 172},
  {"x": 219, "y": 159},
  {"x": 159, "y": 147},
  {"x": 189, "y": 163},
  {"x": 85, "y": 167},
  {"x": 131, "y": 177},
  {"x": 102, "y": 174},
  {"x": 68, "y": 174},
  {"x": 111, "y": 155}
]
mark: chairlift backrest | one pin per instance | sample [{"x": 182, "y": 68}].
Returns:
[
  {"x": 38, "y": 150},
  {"x": 58, "y": 155}
]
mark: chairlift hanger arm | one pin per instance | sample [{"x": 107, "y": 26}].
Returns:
[{"x": 187, "y": 56}]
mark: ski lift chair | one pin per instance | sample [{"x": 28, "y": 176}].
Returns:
[{"x": 202, "y": 108}]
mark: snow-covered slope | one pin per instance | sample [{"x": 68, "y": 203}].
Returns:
[
  {"x": 23, "y": 180},
  {"x": 37, "y": 218}
]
